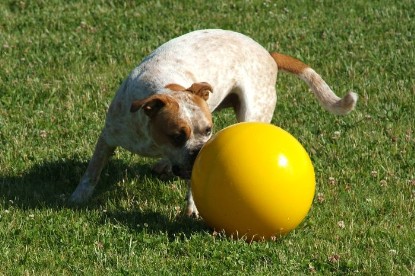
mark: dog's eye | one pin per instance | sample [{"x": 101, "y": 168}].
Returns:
[
  {"x": 208, "y": 131},
  {"x": 178, "y": 139}
]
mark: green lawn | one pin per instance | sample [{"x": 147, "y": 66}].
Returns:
[{"x": 60, "y": 65}]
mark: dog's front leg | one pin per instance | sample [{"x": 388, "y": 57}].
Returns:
[
  {"x": 90, "y": 179},
  {"x": 191, "y": 207}
]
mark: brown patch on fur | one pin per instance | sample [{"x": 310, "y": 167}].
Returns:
[
  {"x": 201, "y": 89},
  {"x": 201, "y": 103},
  {"x": 175, "y": 87},
  {"x": 152, "y": 104},
  {"x": 136, "y": 105},
  {"x": 168, "y": 127},
  {"x": 290, "y": 64}
]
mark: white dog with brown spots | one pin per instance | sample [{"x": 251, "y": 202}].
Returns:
[{"x": 163, "y": 108}]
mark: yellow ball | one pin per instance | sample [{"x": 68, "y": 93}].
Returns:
[{"x": 253, "y": 181}]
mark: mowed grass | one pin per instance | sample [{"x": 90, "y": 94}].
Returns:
[{"x": 61, "y": 62}]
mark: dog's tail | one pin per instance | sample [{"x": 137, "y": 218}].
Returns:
[{"x": 321, "y": 90}]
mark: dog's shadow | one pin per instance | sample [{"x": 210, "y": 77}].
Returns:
[
  {"x": 49, "y": 185},
  {"x": 44, "y": 185}
]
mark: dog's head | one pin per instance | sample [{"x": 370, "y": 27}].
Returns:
[{"x": 180, "y": 123}]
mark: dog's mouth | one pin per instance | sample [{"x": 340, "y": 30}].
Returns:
[
  {"x": 182, "y": 172},
  {"x": 185, "y": 170}
]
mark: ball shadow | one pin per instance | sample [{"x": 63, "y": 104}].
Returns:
[{"x": 151, "y": 222}]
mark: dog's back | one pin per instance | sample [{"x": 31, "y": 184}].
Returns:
[{"x": 225, "y": 59}]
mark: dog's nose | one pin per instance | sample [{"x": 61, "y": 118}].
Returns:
[
  {"x": 193, "y": 154},
  {"x": 176, "y": 170},
  {"x": 180, "y": 172},
  {"x": 185, "y": 171}
]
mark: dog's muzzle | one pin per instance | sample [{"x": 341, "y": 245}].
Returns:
[{"x": 185, "y": 170}]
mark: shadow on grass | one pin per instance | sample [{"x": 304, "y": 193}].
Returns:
[
  {"x": 49, "y": 185},
  {"x": 44, "y": 185},
  {"x": 179, "y": 227}
]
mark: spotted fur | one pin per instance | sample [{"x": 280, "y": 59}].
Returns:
[{"x": 163, "y": 108}]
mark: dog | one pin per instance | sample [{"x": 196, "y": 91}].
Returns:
[{"x": 163, "y": 108}]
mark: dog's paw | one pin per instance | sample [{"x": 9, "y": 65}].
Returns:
[
  {"x": 81, "y": 195},
  {"x": 191, "y": 211},
  {"x": 77, "y": 200},
  {"x": 163, "y": 169}
]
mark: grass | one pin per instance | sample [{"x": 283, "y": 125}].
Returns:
[{"x": 61, "y": 63}]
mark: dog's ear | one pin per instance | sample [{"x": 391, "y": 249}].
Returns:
[
  {"x": 175, "y": 87},
  {"x": 201, "y": 89},
  {"x": 150, "y": 105}
]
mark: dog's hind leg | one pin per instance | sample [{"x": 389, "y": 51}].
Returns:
[{"x": 89, "y": 180}]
